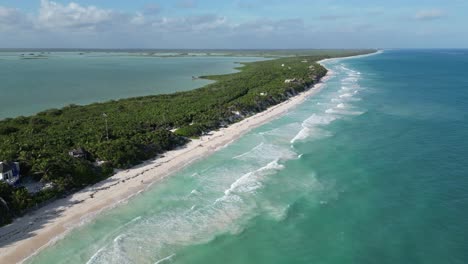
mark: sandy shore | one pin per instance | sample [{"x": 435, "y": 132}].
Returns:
[{"x": 29, "y": 234}]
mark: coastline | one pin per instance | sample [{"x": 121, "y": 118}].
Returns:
[{"x": 29, "y": 234}]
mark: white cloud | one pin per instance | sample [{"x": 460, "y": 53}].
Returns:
[
  {"x": 73, "y": 19},
  {"x": 71, "y": 24},
  {"x": 6, "y": 13},
  {"x": 138, "y": 19},
  {"x": 430, "y": 14},
  {"x": 267, "y": 26},
  {"x": 190, "y": 24},
  {"x": 10, "y": 18},
  {"x": 54, "y": 15}
]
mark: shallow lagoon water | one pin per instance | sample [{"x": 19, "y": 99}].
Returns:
[{"x": 28, "y": 86}]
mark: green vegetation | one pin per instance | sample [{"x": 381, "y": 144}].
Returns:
[{"x": 139, "y": 128}]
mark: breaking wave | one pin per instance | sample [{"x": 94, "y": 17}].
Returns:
[
  {"x": 311, "y": 126},
  {"x": 251, "y": 181}
]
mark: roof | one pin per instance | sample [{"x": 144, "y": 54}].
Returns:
[
  {"x": 6, "y": 166},
  {"x": 78, "y": 151}
]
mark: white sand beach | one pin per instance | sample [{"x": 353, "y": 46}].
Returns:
[{"x": 34, "y": 231}]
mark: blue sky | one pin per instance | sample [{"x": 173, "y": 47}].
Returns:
[{"x": 234, "y": 24}]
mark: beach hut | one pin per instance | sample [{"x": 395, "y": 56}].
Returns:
[{"x": 9, "y": 172}]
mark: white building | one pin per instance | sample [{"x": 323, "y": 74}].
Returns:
[
  {"x": 9, "y": 172},
  {"x": 290, "y": 80}
]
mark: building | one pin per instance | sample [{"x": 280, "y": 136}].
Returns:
[
  {"x": 9, "y": 172},
  {"x": 291, "y": 80},
  {"x": 79, "y": 153}
]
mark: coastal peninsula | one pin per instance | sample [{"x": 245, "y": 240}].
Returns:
[{"x": 72, "y": 148}]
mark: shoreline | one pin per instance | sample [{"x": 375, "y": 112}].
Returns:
[{"x": 27, "y": 235}]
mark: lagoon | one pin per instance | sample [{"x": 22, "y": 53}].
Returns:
[{"x": 33, "y": 83}]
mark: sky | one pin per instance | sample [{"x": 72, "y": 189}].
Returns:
[{"x": 234, "y": 24}]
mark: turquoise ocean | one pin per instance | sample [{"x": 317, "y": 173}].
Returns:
[{"x": 373, "y": 169}]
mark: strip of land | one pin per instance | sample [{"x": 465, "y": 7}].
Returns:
[
  {"x": 56, "y": 219},
  {"x": 61, "y": 151},
  {"x": 38, "y": 229}
]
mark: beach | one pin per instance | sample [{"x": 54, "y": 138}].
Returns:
[{"x": 34, "y": 231}]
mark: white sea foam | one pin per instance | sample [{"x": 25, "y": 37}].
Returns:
[
  {"x": 132, "y": 221},
  {"x": 118, "y": 238},
  {"x": 344, "y": 109},
  {"x": 350, "y": 79},
  {"x": 249, "y": 152},
  {"x": 281, "y": 134},
  {"x": 309, "y": 128},
  {"x": 199, "y": 224},
  {"x": 280, "y": 131},
  {"x": 266, "y": 151},
  {"x": 315, "y": 119},
  {"x": 250, "y": 182},
  {"x": 344, "y": 68},
  {"x": 353, "y": 99},
  {"x": 96, "y": 255},
  {"x": 169, "y": 258},
  {"x": 224, "y": 146},
  {"x": 344, "y": 112},
  {"x": 303, "y": 134},
  {"x": 311, "y": 134}
]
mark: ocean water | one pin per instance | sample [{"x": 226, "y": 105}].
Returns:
[
  {"x": 373, "y": 169},
  {"x": 28, "y": 86}
]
